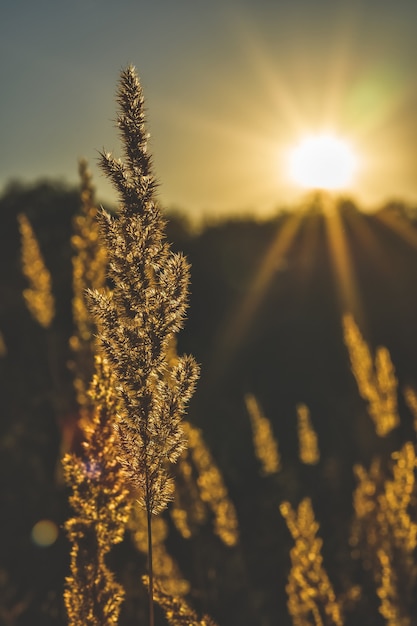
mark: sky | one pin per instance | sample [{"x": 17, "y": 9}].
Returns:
[{"x": 230, "y": 88}]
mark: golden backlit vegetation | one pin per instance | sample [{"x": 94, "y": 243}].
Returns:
[
  {"x": 89, "y": 263},
  {"x": 265, "y": 444},
  {"x": 308, "y": 443},
  {"x": 141, "y": 476},
  {"x": 135, "y": 322},
  {"x": 177, "y": 611},
  {"x": 211, "y": 488},
  {"x": 102, "y": 506},
  {"x": 375, "y": 378},
  {"x": 384, "y": 535},
  {"x": 165, "y": 568},
  {"x": 38, "y": 295},
  {"x": 410, "y": 395},
  {"x": 311, "y": 598}
]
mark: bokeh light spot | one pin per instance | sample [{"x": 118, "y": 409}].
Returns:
[{"x": 44, "y": 533}]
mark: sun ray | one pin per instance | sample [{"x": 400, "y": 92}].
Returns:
[
  {"x": 310, "y": 239},
  {"x": 368, "y": 241},
  {"x": 345, "y": 280},
  {"x": 237, "y": 324},
  {"x": 398, "y": 226}
]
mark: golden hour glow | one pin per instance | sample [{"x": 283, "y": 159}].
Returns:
[{"x": 322, "y": 162}]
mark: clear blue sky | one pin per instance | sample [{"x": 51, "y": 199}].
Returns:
[{"x": 228, "y": 85}]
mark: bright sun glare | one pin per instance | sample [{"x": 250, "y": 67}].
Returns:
[{"x": 322, "y": 162}]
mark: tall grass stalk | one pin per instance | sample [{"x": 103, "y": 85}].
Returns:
[{"x": 138, "y": 318}]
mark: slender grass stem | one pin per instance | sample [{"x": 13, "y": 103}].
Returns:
[
  {"x": 150, "y": 553},
  {"x": 150, "y": 568}
]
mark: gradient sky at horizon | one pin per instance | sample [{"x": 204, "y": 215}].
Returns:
[{"x": 229, "y": 87}]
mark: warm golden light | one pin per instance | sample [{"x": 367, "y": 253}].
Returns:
[{"x": 322, "y": 162}]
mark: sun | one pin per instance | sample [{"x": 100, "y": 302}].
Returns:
[{"x": 322, "y": 161}]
